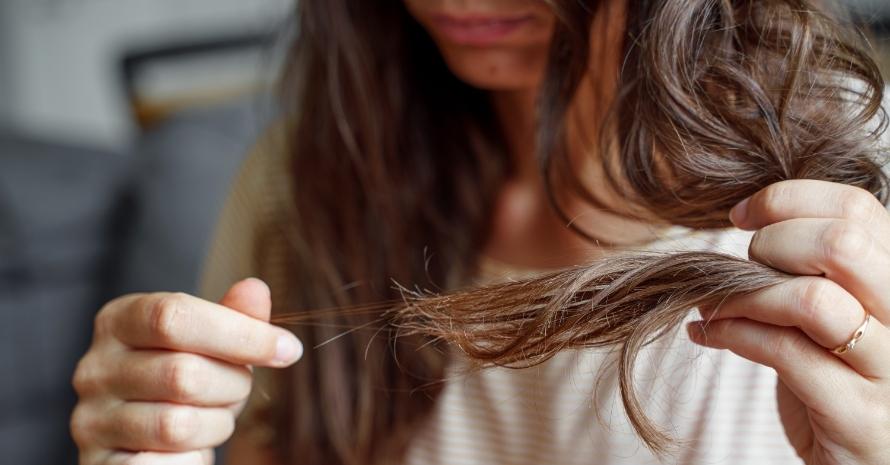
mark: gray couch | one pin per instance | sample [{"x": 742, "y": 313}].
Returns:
[
  {"x": 79, "y": 226},
  {"x": 61, "y": 210}
]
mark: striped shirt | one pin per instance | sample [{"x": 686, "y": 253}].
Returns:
[{"x": 721, "y": 408}]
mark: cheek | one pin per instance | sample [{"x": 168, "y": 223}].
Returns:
[{"x": 498, "y": 68}]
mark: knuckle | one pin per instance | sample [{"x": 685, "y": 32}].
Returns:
[
  {"x": 775, "y": 197},
  {"x": 166, "y": 316},
  {"x": 86, "y": 379},
  {"x": 859, "y": 204},
  {"x": 845, "y": 242},
  {"x": 103, "y": 321},
  {"x": 182, "y": 377},
  {"x": 818, "y": 298},
  {"x": 825, "y": 306},
  {"x": 81, "y": 425},
  {"x": 177, "y": 426}
]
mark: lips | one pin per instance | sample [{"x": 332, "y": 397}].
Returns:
[{"x": 479, "y": 30}]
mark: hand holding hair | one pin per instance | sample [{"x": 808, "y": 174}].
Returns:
[
  {"x": 835, "y": 239},
  {"x": 820, "y": 261},
  {"x": 168, "y": 373}
]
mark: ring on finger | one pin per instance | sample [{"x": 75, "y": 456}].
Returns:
[{"x": 855, "y": 338}]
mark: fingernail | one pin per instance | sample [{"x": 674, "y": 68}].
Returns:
[
  {"x": 257, "y": 281},
  {"x": 739, "y": 213},
  {"x": 696, "y": 331},
  {"x": 288, "y": 349},
  {"x": 705, "y": 311}
]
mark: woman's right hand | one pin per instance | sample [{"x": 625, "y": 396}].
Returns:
[{"x": 167, "y": 374}]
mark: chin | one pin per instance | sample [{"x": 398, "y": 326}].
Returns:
[
  {"x": 497, "y": 70},
  {"x": 490, "y": 44}
]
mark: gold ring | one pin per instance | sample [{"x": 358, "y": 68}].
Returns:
[{"x": 857, "y": 336}]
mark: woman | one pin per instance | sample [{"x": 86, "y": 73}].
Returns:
[{"x": 417, "y": 155}]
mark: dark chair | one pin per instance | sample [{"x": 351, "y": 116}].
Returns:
[{"x": 61, "y": 212}]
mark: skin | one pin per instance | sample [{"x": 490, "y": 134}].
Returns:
[
  {"x": 835, "y": 408},
  {"x": 168, "y": 373}
]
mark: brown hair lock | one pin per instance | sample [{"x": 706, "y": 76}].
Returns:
[{"x": 396, "y": 163}]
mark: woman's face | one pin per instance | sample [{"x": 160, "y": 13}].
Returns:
[{"x": 490, "y": 44}]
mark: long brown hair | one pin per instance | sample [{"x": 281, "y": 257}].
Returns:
[{"x": 395, "y": 164}]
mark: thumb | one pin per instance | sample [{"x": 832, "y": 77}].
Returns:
[{"x": 251, "y": 297}]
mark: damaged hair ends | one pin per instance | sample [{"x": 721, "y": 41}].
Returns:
[{"x": 395, "y": 165}]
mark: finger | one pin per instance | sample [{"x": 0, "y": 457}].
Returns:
[
  {"x": 183, "y": 378},
  {"x": 841, "y": 250},
  {"x": 203, "y": 457},
  {"x": 806, "y": 198},
  {"x": 251, "y": 297},
  {"x": 823, "y": 310},
  {"x": 157, "y": 427},
  {"x": 184, "y": 323},
  {"x": 813, "y": 374}
]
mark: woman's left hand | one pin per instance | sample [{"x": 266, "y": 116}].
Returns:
[{"x": 835, "y": 407}]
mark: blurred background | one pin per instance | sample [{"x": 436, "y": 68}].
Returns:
[{"x": 122, "y": 123}]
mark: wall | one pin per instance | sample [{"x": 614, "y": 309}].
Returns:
[{"x": 58, "y": 58}]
